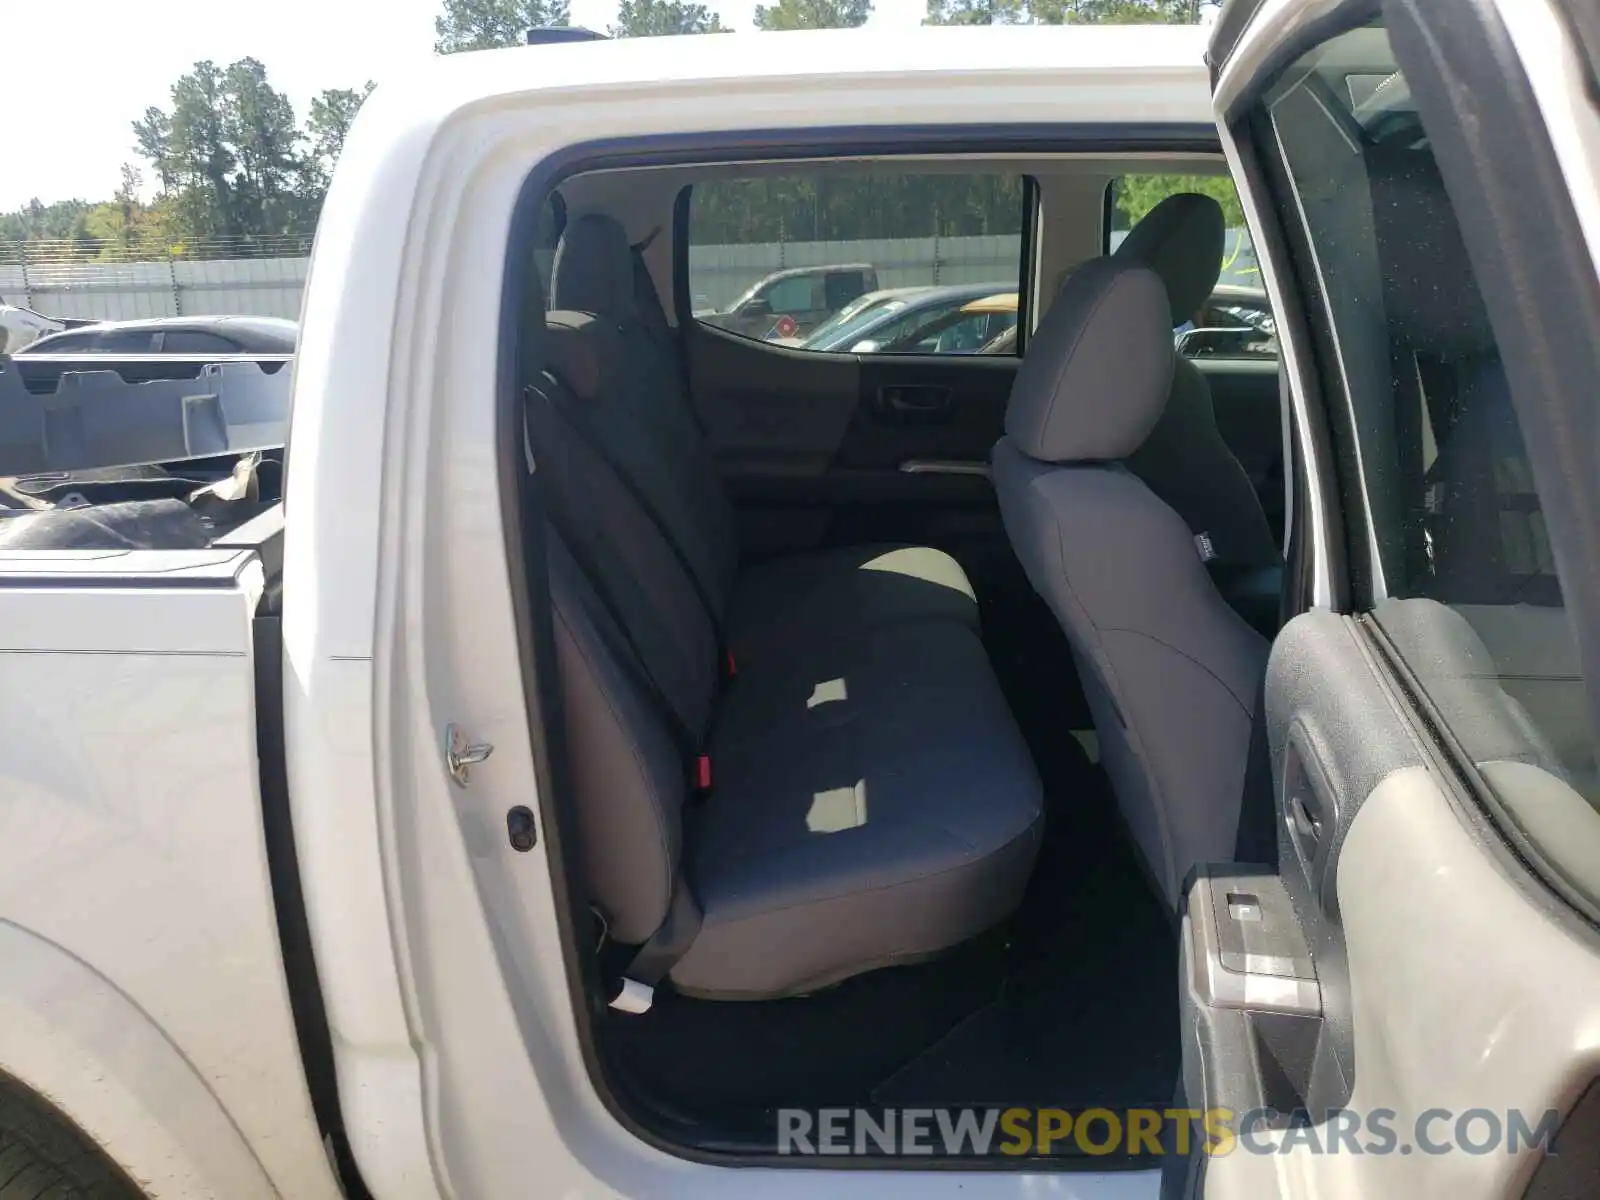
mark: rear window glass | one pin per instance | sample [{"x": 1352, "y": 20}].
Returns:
[{"x": 860, "y": 262}]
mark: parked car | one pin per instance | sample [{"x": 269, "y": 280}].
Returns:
[
  {"x": 1235, "y": 323},
  {"x": 791, "y": 303},
  {"x": 854, "y": 314},
  {"x": 897, "y": 315},
  {"x": 20, "y": 326},
  {"x": 636, "y": 761},
  {"x": 970, "y": 329},
  {"x": 174, "y": 335}
]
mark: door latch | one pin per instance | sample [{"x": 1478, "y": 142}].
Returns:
[{"x": 460, "y": 753}]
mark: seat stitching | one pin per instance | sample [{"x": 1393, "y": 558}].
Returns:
[{"x": 1244, "y": 708}]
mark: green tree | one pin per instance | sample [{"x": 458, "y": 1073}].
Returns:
[
  {"x": 196, "y": 154},
  {"x": 486, "y": 24},
  {"x": 660, "y": 18},
  {"x": 36, "y": 220},
  {"x": 333, "y": 111},
  {"x": 1116, "y": 12},
  {"x": 1136, "y": 195},
  {"x": 976, "y": 12},
  {"x": 152, "y": 138},
  {"x": 813, "y": 14},
  {"x": 260, "y": 131},
  {"x": 231, "y": 159},
  {"x": 1066, "y": 12}
]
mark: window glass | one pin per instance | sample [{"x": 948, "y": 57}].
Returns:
[
  {"x": 794, "y": 296},
  {"x": 122, "y": 341},
  {"x": 852, "y": 262},
  {"x": 844, "y": 287},
  {"x": 1236, "y": 323},
  {"x": 64, "y": 343},
  {"x": 196, "y": 341},
  {"x": 1462, "y": 577}
]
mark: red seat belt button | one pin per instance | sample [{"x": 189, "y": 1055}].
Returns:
[{"x": 702, "y": 772}]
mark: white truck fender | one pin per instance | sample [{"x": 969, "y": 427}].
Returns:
[{"x": 70, "y": 1035}]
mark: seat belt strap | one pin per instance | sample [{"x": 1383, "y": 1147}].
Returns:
[{"x": 653, "y": 960}]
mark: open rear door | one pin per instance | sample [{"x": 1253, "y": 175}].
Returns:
[{"x": 1404, "y": 999}]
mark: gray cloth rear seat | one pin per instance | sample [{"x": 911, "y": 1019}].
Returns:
[
  {"x": 873, "y": 801},
  {"x": 609, "y": 339}
]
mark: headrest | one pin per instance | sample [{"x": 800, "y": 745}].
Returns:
[
  {"x": 1182, "y": 240},
  {"x": 573, "y": 351},
  {"x": 593, "y": 270},
  {"x": 1098, "y": 369}
]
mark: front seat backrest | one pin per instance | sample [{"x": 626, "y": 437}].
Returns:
[
  {"x": 1185, "y": 460},
  {"x": 1170, "y": 670}
]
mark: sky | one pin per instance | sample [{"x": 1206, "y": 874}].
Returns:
[{"x": 74, "y": 85}]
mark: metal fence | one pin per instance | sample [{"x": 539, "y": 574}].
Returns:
[
  {"x": 112, "y": 280},
  {"x": 120, "y": 279}
]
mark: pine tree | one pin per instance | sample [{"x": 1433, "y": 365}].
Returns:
[
  {"x": 662, "y": 18},
  {"x": 813, "y": 14},
  {"x": 487, "y": 24}
]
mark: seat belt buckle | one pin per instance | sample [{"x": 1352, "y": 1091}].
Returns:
[
  {"x": 733, "y": 667},
  {"x": 702, "y": 773},
  {"x": 635, "y": 997}
]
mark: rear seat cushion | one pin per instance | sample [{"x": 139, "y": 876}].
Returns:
[
  {"x": 861, "y": 819},
  {"x": 794, "y": 606}
]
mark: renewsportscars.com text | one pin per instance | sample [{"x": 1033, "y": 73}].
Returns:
[{"x": 1019, "y": 1132}]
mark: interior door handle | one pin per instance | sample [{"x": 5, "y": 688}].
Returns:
[
  {"x": 1307, "y": 829},
  {"x": 914, "y": 399}
]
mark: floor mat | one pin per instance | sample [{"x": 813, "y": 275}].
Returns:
[
  {"x": 1088, "y": 1012},
  {"x": 721, "y": 1060}
]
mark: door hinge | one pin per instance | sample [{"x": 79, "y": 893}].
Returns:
[{"x": 461, "y": 752}]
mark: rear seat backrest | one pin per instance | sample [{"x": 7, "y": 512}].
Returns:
[
  {"x": 636, "y": 650},
  {"x": 644, "y": 411},
  {"x": 638, "y": 575},
  {"x": 622, "y": 408}
]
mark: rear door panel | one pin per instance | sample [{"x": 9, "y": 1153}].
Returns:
[{"x": 819, "y": 448}]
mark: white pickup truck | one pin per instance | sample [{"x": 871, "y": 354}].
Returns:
[{"x": 630, "y": 758}]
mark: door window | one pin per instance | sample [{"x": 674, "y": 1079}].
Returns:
[
  {"x": 797, "y": 295},
  {"x": 123, "y": 341},
  {"x": 1455, "y": 559},
  {"x": 843, "y": 287},
  {"x": 196, "y": 341},
  {"x": 892, "y": 252}
]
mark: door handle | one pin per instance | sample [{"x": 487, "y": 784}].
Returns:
[
  {"x": 914, "y": 399},
  {"x": 1306, "y": 828},
  {"x": 944, "y": 466}
]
